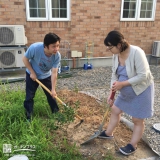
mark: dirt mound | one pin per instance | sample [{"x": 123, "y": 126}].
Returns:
[{"x": 92, "y": 112}]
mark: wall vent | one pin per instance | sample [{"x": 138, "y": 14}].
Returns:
[{"x": 156, "y": 49}]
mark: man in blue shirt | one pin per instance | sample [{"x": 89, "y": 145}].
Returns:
[{"x": 42, "y": 60}]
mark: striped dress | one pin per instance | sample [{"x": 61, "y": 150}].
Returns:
[{"x": 140, "y": 106}]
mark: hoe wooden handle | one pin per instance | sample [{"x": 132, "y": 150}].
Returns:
[{"x": 42, "y": 85}]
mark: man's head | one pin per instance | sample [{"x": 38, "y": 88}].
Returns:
[{"x": 51, "y": 43}]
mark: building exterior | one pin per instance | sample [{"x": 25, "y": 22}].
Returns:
[{"x": 79, "y": 21}]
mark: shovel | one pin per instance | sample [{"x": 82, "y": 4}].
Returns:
[
  {"x": 97, "y": 133},
  {"x": 42, "y": 85}
]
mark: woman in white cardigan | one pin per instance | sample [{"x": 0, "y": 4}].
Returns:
[{"x": 131, "y": 76}]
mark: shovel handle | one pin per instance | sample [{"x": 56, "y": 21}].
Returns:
[
  {"x": 42, "y": 85},
  {"x": 105, "y": 115},
  {"x": 112, "y": 95}
]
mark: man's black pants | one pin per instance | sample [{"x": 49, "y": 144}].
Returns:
[{"x": 31, "y": 87}]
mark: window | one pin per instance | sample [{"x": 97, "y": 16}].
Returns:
[
  {"x": 138, "y": 10},
  {"x": 48, "y": 10}
]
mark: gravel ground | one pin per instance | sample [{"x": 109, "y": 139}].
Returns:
[{"x": 96, "y": 82}]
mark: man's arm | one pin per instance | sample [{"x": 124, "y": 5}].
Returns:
[
  {"x": 28, "y": 65},
  {"x": 54, "y": 80}
]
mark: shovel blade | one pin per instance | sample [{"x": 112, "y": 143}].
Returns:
[{"x": 96, "y": 134}]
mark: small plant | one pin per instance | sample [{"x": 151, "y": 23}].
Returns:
[
  {"x": 75, "y": 88},
  {"x": 64, "y": 117},
  {"x": 77, "y": 104}
]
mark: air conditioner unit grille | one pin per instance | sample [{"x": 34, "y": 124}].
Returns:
[
  {"x": 6, "y": 35},
  {"x": 7, "y": 58}
]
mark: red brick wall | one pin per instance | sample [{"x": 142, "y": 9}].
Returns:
[{"x": 91, "y": 20}]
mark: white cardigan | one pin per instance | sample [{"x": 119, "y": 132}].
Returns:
[{"x": 137, "y": 68}]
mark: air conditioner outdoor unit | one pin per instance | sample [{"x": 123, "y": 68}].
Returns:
[
  {"x": 10, "y": 58},
  {"x": 12, "y": 35},
  {"x": 156, "y": 49}
]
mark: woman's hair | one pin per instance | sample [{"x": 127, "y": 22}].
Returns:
[
  {"x": 50, "y": 38},
  {"x": 115, "y": 37}
]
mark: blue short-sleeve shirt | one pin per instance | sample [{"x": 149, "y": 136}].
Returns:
[{"x": 40, "y": 63}]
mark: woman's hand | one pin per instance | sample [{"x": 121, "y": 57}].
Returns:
[
  {"x": 117, "y": 86},
  {"x": 110, "y": 101}
]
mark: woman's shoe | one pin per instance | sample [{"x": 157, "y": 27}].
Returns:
[
  {"x": 104, "y": 136},
  {"x": 127, "y": 150}
]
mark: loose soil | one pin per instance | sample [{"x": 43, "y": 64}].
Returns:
[{"x": 92, "y": 111}]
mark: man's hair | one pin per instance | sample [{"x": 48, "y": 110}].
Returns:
[
  {"x": 115, "y": 37},
  {"x": 50, "y": 38}
]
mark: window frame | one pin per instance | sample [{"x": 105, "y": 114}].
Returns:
[
  {"x": 48, "y": 12},
  {"x": 137, "y": 14}
]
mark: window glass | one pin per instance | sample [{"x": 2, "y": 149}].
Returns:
[
  {"x": 55, "y": 3},
  {"x": 59, "y": 8},
  {"x": 38, "y": 13},
  {"x": 37, "y": 4},
  {"x": 138, "y": 10},
  {"x": 37, "y": 8},
  {"x": 129, "y": 8},
  {"x": 146, "y": 9},
  {"x": 63, "y": 13},
  {"x": 149, "y": 6},
  {"x": 63, "y": 4},
  {"x": 55, "y": 13}
]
